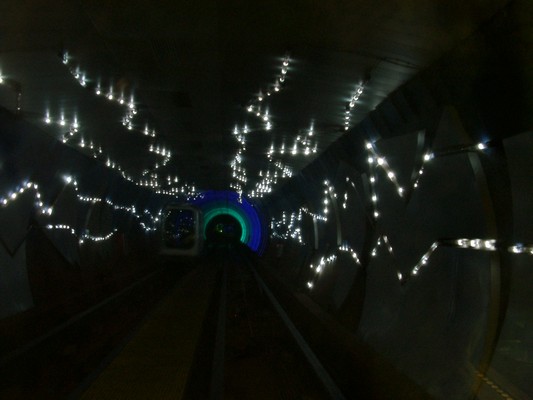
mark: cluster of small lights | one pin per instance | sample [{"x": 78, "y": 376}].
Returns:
[
  {"x": 474, "y": 244},
  {"x": 276, "y": 170},
  {"x": 264, "y": 115},
  {"x": 325, "y": 261},
  {"x": 255, "y": 105},
  {"x": 329, "y": 191},
  {"x": 89, "y": 199},
  {"x": 189, "y": 191},
  {"x": 72, "y": 125},
  {"x": 286, "y": 171},
  {"x": 19, "y": 190},
  {"x": 303, "y": 144},
  {"x": 149, "y": 132},
  {"x": 316, "y": 217},
  {"x": 288, "y": 227},
  {"x": 351, "y": 104},
  {"x": 81, "y": 237},
  {"x": 375, "y": 160},
  {"x": 166, "y": 154},
  {"x": 345, "y": 197},
  {"x": 238, "y": 171},
  {"x": 114, "y": 165},
  {"x": 348, "y": 249},
  {"x": 73, "y": 128},
  {"x": 154, "y": 219},
  {"x": 129, "y": 209},
  {"x": 93, "y": 238},
  {"x": 96, "y": 150},
  {"x": 380, "y": 241},
  {"x": 69, "y": 180},
  {"x": 169, "y": 186},
  {"x": 270, "y": 178},
  {"x": 110, "y": 94},
  {"x": 131, "y": 111}
]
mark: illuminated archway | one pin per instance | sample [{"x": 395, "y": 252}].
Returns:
[{"x": 214, "y": 203}]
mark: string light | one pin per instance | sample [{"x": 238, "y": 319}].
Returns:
[
  {"x": 330, "y": 260},
  {"x": 12, "y": 196},
  {"x": 254, "y": 105},
  {"x": 127, "y": 121},
  {"x": 351, "y": 104},
  {"x": 80, "y": 237}
]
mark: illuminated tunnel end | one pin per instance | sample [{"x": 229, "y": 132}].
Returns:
[{"x": 214, "y": 203}]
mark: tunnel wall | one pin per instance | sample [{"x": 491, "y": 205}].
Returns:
[
  {"x": 67, "y": 222},
  {"x": 447, "y": 312}
]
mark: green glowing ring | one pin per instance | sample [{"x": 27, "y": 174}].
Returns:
[{"x": 209, "y": 215}]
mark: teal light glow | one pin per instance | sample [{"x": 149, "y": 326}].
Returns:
[
  {"x": 214, "y": 203},
  {"x": 209, "y": 215}
]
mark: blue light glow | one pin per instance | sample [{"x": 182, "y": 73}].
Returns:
[{"x": 213, "y": 203}]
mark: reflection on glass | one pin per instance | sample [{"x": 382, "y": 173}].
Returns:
[{"x": 179, "y": 229}]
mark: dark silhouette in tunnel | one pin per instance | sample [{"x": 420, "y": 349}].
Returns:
[{"x": 223, "y": 230}]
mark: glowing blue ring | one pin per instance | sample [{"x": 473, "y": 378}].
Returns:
[{"x": 213, "y": 203}]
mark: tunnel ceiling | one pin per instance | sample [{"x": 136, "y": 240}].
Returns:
[{"x": 193, "y": 69}]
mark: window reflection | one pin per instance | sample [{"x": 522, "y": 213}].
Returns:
[{"x": 179, "y": 229}]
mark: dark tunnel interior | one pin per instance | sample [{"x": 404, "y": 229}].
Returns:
[
  {"x": 266, "y": 199},
  {"x": 223, "y": 230}
]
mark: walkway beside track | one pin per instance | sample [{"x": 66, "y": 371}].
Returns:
[{"x": 155, "y": 363}]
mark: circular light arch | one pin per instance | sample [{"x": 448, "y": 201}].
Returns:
[{"x": 219, "y": 202}]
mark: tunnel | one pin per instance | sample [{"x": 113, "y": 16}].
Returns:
[
  {"x": 266, "y": 200},
  {"x": 224, "y": 229}
]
